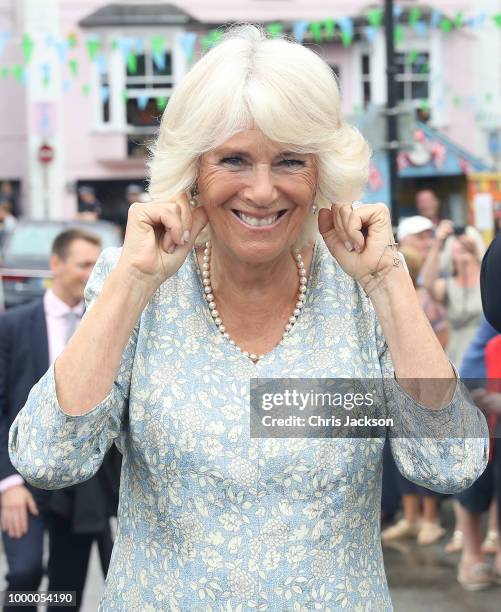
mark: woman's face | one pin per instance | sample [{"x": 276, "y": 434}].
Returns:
[
  {"x": 464, "y": 250},
  {"x": 257, "y": 195}
]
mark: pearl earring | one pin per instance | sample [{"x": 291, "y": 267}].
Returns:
[
  {"x": 193, "y": 202},
  {"x": 314, "y": 209}
]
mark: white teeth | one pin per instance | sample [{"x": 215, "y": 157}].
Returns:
[{"x": 257, "y": 222}]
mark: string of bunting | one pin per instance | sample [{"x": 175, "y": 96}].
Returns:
[{"x": 343, "y": 29}]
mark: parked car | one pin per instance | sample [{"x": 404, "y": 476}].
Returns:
[{"x": 25, "y": 259}]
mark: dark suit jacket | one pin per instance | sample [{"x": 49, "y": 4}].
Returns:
[
  {"x": 490, "y": 283},
  {"x": 24, "y": 358}
]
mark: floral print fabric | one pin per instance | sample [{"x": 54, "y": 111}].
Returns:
[{"x": 211, "y": 519}]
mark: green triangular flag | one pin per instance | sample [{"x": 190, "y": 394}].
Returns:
[
  {"x": 27, "y": 45},
  {"x": 346, "y": 38},
  {"x": 316, "y": 31},
  {"x": 398, "y": 34},
  {"x": 497, "y": 19},
  {"x": 162, "y": 102},
  {"x": 375, "y": 17},
  {"x": 93, "y": 46},
  {"x": 411, "y": 58},
  {"x": 330, "y": 26},
  {"x": 274, "y": 29},
  {"x": 158, "y": 44},
  {"x": 132, "y": 62},
  {"x": 425, "y": 105},
  {"x": 459, "y": 19},
  {"x": 85, "y": 89},
  {"x": 414, "y": 16},
  {"x": 73, "y": 64},
  {"x": 446, "y": 25},
  {"x": 18, "y": 72}
]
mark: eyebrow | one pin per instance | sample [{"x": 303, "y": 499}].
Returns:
[{"x": 229, "y": 151}]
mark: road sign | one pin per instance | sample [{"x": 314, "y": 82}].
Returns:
[{"x": 45, "y": 153}]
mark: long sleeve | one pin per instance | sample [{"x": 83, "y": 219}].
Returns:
[
  {"x": 489, "y": 284},
  {"x": 6, "y": 468},
  {"x": 52, "y": 449},
  {"x": 445, "y": 450}
]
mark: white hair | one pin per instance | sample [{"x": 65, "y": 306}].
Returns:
[{"x": 282, "y": 88}]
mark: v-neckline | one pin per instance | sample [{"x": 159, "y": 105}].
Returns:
[{"x": 230, "y": 348}]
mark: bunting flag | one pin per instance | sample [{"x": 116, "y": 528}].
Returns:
[
  {"x": 142, "y": 101},
  {"x": 4, "y": 39},
  {"x": 73, "y": 65},
  {"x": 161, "y": 102},
  {"x": 274, "y": 29},
  {"x": 132, "y": 63},
  {"x": 158, "y": 44},
  {"x": 187, "y": 44},
  {"x": 375, "y": 17},
  {"x": 93, "y": 46},
  {"x": 299, "y": 29},
  {"x": 72, "y": 40},
  {"x": 27, "y": 46}
]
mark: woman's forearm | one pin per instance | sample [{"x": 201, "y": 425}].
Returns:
[
  {"x": 86, "y": 369},
  {"x": 420, "y": 365},
  {"x": 431, "y": 267}
]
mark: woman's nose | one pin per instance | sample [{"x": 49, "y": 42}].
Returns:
[{"x": 261, "y": 189}]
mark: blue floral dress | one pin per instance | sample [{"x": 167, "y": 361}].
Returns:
[{"x": 211, "y": 519}]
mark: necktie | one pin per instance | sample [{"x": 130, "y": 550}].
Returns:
[{"x": 71, "y": 324}]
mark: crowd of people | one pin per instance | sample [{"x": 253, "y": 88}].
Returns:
[{"x": 445, "y": 264}]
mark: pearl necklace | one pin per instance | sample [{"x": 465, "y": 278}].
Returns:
[{"x": 215, "y": 313}]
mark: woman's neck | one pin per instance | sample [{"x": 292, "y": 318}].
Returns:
[
  {"x": 468, "y": 274},
  {"x": 255, "y": 300}
]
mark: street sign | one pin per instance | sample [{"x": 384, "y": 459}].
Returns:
[{"x": 45, "y": 153}]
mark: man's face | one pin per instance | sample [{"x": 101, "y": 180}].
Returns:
[
  {"x": 427, "y": 204},
  {"x": 72, "y": 273},
  {"x": 421, "y": 241}
]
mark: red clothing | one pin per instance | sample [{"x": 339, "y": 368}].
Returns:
[{"x": 493, "y": 369}]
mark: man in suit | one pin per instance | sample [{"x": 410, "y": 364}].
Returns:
[
  {"x": 489, "y": 283},
  {"x": 31, "y": 338}
]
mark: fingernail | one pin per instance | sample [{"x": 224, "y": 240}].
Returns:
[
  {"x": 171, "y": 249},
  {"x": 186, "y": 235},
  {"x": 349, "y": 246}
]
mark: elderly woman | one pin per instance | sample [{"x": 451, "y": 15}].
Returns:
[{"x": 211, "y": 518}]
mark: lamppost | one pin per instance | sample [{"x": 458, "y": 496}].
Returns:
[{"x": 391, "y": 111}]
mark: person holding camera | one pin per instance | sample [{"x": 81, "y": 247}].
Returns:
[{"x": 457, "y": 252}]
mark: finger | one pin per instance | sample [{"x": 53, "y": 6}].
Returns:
[
  {"x": 21, "y": 521},
  {"x": 352, "y": 226},
  {"x": 340, "y": 214},
  {"x": 325, "y": 222},
  {"x": 32, "y": 506}
]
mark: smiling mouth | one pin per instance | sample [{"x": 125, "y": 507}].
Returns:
[{"x": 254, "y": 222}]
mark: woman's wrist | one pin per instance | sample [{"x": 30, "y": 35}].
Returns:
[{"x": 132, "y": 286}]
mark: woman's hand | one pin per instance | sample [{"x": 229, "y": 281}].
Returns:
[
  {"x": 444, "y": 229},
  {"x": 358, "y": 239},
  {"x": 158, "y": 237}
]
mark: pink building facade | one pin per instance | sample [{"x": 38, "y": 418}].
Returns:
[{"x": 98, "y": 78}]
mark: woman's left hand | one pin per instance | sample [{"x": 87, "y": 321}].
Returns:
[{"x": 358, "y": 239}]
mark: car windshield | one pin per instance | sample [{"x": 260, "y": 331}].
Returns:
[{"x": 35, "y": 241}]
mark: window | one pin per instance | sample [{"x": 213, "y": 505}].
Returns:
[
  {"x": 366, "y": 79},
  {"x": 148, "y": 86},
  {"x": 413, "y": 76}
]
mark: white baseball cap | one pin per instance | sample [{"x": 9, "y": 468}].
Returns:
[{"x": 413, "y": 225}]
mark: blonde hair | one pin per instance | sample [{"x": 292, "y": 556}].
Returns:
[{"x": 282, "y": 88}]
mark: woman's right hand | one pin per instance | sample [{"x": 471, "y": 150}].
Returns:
[
  {"x": 158, "y": 237},
  {"x": 444, "y": 229}
]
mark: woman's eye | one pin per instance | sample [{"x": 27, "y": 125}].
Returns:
[
  {"x": 292, "y": 163},
  {"x": 232, "y": 161}
]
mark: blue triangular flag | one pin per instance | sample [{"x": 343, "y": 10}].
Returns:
[{"x": 299, "y": 29}]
